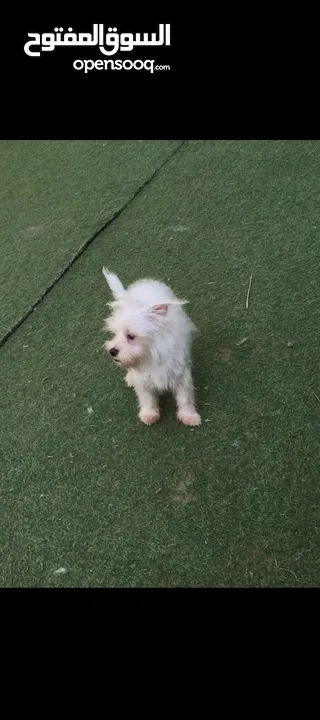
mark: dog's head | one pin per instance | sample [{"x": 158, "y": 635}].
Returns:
[{"x": 135, "y": 326}]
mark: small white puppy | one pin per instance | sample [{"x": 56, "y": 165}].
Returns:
[{"x": 152, "y": 338}]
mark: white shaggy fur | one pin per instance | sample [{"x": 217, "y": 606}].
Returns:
[{"x": 152, "y": 338}]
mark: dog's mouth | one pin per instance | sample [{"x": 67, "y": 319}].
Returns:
[{"x": 121, "y": 363}]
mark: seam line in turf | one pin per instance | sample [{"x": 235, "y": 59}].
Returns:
[{"x": 84, "y": 246}]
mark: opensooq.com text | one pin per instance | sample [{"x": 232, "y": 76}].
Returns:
[{"x": 88, "y": 65}]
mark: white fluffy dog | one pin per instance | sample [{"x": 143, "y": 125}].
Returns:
[{"x": 152, "y": 338}]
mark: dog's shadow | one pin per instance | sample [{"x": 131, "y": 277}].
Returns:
[{"x": 220, "y": 364}]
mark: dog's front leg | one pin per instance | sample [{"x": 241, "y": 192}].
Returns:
[
  {"x": 129, "y": 378},
  {"x": 149, "y": 405},
  {"x": 184, "y": 394}
]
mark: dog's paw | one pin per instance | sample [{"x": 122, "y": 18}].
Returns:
[
  {"x": 189, "y": 417},
  {"x": 149, "y": 417},
  {"x": 129, "y": 379}
]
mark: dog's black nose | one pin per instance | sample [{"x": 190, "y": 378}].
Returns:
[{"x": 114, "y": 352}]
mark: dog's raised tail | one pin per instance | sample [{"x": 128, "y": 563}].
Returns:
[{"x": 114, "y": 283}]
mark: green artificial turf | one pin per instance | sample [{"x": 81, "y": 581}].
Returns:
[
  {"x": 54, "y": 196},
  {"x": 84, "y": 485}
]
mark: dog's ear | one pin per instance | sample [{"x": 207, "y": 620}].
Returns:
[
  {"x": 114, "y": 283},
  {"x": 164, "y": 307},
  {"x": 160, "y": 309}
]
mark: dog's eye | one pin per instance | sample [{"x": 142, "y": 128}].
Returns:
[{"x": 130, "y": 337}]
